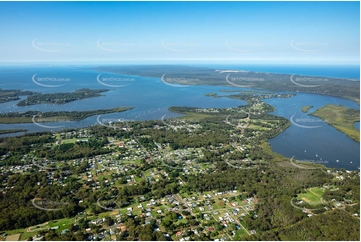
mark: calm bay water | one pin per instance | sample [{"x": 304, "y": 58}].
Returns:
[
  {"x": 150, "y": 97},
  {"x": 310, "y": 138},
  {"x": 307, "y": 138}
]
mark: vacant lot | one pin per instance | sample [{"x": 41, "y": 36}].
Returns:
[
  {"x": 14, "y": 237},
  {"x": 312, "y": 196}
]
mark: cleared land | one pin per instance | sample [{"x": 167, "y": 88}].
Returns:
[
  {"x": 14, "y": 237},
  {"x": 341, "y": 118},
  {"x": 312, "y": 196},
  {"x": 73, "y": 141}
]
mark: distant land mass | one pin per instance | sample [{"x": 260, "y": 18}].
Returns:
[
  {"x": 10, "y": 131},
  {"x": 192, "y": 75},
  {"x": 61, "y": 98},
  {"x": 57, "y": 116},
  {"x": 342, "y": 118},
  {"x": 13, "y": 95}
]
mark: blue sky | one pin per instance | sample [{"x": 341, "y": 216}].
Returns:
[{"x": 180, "y": 32}]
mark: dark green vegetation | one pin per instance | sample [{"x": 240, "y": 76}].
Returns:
[
  {"x": 22, "y": 145},
  {"x": 92, "y": 147},
  {"x": 190, "y": 75},
  {"x": 57, "y": 116},
  {"x": 17, "y": 202},
  {"x": 12, "y": 95},
  {"x": 9, "y": 131},
  {"x": 341, "y": 118},
  {"x": 332, "y": 225},
  {"x": 212, "y": 95},
  {"x": 61, "y": 98},
  {"x": 306, "y": 108},
  {"x": 212, "y": 157},
  {"x": 273, "y": 185}
]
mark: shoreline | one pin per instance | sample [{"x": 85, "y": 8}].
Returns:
[
  {"x": 216, "y": 80},
  {"x": 340, "y": 118},
  {"x": 60, "y": 116}
]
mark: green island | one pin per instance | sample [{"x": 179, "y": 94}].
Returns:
[
  {"x": 227, "y": 90},
  {"x": 211, "y": 94},
  {"x": 54, "y": 116},
  {"x": 341, "y": 118},
  {"x": 306, "y": 108},
  {"x": 13, "y": 95},
  {"x": 9, "y": 131},
  {"x": 61, "y": 98}
]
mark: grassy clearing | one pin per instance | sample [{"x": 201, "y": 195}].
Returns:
[
  {"x": 24, "y": 235},
  {"x": 244, "y": 224},
  {"x": 240, "y": 233},
  {"x": 312, "y": 196},
  {"x": 14, "y": 237},
  {"x": 341, "y": 118},
  {"x": 68, "y": 141},
  {"x": 257, "y": 127},
  {"x": 194, "y": 116},
  {"x": 62, "y": 223}
]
